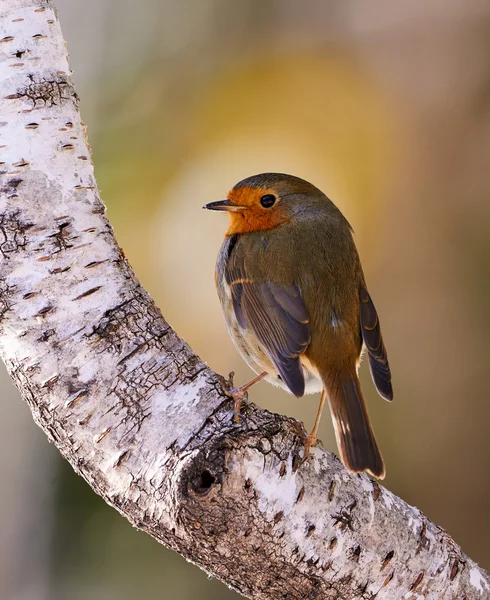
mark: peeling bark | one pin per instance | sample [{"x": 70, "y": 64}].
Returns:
[{"x": 139, "y": 415}]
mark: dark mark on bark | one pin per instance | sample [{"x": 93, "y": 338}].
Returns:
[
  {"x": 326, "y": 566},
  {"x": 387, "y": 559},
  {"x": 75, "y": 397},
  {"x": 102, "y": 435},
  {"x": 59, "y": 270},
  {"x": 50, "y": 382},
  {"x": 48, "y": 91},
  {"x": 61, "y": 237},
  {"x": 457, "y": 566},
  {"x": 278, "y": 516},
  {"x": 13, "y": 230},
  {"x": 46, "y": 335},
  {"x": 424, "y": 542},
  {"x": 82, "y": 422},
  {"x": 120, "y": 458},
  {"x": 297, "y": 462},
  {"x": 11, "y": 186},
  {"x": 417, "y": 582},
  {"x": 95, "y": 263},
  {"x": 343, "y": 519},
  {"x": 87, "y": 293}
]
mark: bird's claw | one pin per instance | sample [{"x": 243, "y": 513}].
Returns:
[
  {"x": 239, "y": 396},
  {"x": 229, "y": 382},
  {"x": 310, "y": 442}
]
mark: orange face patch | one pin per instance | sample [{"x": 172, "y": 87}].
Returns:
[{"x": 254, "y": 217}]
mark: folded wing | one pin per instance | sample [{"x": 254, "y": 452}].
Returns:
[{"x": 277, "y": 316}]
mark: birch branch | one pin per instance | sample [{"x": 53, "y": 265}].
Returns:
[{"x": 138, "y": 414}]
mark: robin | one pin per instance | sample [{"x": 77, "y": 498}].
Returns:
[{"x": 296, "y": 305}]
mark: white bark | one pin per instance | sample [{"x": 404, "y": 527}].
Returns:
[{"x": 138, "y": 415}]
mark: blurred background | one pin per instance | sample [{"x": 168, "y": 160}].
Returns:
[{"x": 384, "y": 106}]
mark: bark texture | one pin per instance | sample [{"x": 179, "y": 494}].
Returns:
[{"x": 139, "y": 415}]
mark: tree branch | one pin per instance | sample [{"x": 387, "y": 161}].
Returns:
[{"x": 142, "y": 418}]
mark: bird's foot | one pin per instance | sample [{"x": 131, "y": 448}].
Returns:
[
  {"x": 310, "y": 442},
  {"x": 239, "y": 394}
]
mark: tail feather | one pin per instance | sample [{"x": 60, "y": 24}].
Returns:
[{"x": 355, "y": 437}]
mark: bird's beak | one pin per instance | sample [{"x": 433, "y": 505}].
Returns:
[{"x": 224, "y": 205}]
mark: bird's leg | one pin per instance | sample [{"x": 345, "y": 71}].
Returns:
[
  {"x": 239, "y": 394},
  {"x": 311, "y": 440}
]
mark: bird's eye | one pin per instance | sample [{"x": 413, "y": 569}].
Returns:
[{"x": 268, "y": 200}]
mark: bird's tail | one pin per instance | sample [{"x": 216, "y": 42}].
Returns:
[{"x": 355, "y": 437}]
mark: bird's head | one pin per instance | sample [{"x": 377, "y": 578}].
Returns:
[{"x": 266, "y": 201}]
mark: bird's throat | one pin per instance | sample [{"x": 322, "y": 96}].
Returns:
[{"x": 252, "y": 220}]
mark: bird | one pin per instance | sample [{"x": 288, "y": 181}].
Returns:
[{"x": 296, "y": 305}]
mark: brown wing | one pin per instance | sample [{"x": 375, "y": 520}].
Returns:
[
  {"x": 278, "y": 317},
  {"x": 371, "y": 334}
]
